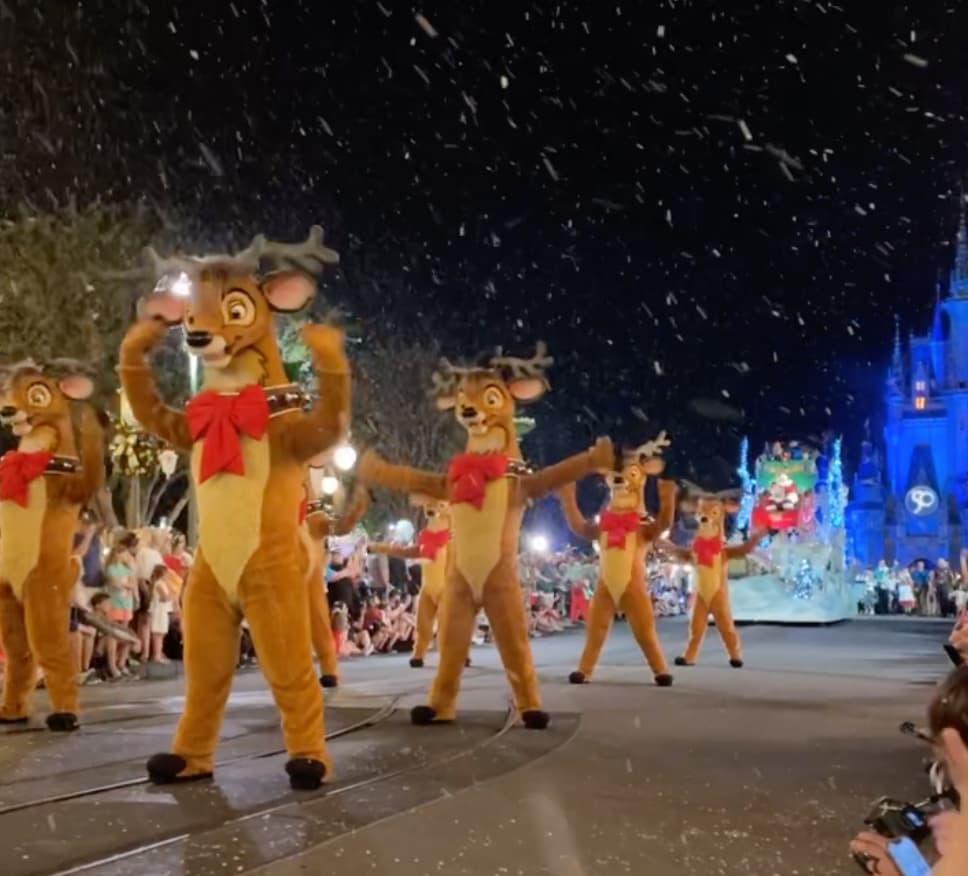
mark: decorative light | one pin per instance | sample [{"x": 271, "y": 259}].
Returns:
[
  {"x": 344, "y": 457},
  {"x": 330, "y": 485},
  {"x": 538, "y": 543},
  {"x": 168, "y": 460},
  {"x": 181, "y": 286}
]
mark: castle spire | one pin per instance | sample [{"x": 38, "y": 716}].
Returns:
[{"x": 961, "y": 249}]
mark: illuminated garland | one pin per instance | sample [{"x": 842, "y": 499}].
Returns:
[{"x": 135, "y": 453}]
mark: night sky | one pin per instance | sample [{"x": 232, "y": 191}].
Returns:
[{"x": 689, "y": 205}]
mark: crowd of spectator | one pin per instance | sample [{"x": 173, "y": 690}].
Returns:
[{"x": 937, "y": 591}]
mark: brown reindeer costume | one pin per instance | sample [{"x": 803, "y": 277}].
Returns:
[
  {"x": 250, "y": 440},
  {"x": 710, "y": 555},
  {"x": 625, "y": 535},
  {"x": 57, "y": 468},
  {"x": 316, "y": 526},
  {"x": 488, "y": 487},
  {"x": 432, "y": 549}
]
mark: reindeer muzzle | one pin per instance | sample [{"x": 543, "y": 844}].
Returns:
[{"x": 198, "y": 340}]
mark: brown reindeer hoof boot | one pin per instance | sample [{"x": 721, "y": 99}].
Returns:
[
  {"x": 467, "y": 662},
  {"x": 328, "y": 681},
  {"x": 305, "y": 774},
  {"x": 416, "y": 663},
  {"x": 577, "y": 678},
  {"x": 169, "y": 769},
  {"x": 62, "y": 722},
  {"x": 663, "y": 679},
  {"x": 736, "y": 664},
  {"x": 536, "y": 719},
  {"x": 681, "y": 661},
  {"x": 422, "y": 715}
]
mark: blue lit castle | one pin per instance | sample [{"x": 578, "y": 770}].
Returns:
[{"x": 916, "y": 505}]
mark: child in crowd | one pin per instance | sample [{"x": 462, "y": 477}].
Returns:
[{"x": 160, "y": 603}]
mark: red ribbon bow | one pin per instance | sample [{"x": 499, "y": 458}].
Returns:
[
  {"x": 220, "y": 420},
  {"x": 617, "y": 525},
  {"x": 470, "y": 473},
  {"x": 707, "y": 549},
  {"x": 430, "y": 541},
  {"x": 17, "y": 469},
  {"x": 303, "y": 510}
]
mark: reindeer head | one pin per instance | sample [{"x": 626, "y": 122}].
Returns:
[
  {"x": 226, "y": 303},
  {"x": 35, "y": 402},
  {"x": 436, "y": 511},
  {"x": 484, "y": 398},
  {"x": 626, "y": 485},
  {"x": 710, "y": 510}
]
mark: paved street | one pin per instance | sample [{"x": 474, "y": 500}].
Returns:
[{"x": 765, "y": 770}]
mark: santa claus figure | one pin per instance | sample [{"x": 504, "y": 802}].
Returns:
[{"x": 777, "y": 507}]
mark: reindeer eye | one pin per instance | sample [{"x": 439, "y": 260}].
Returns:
[
  {"x": 493, "y": 397},
  {"x": 39, "y": 396},
  {"x": 238, "y": 308}
]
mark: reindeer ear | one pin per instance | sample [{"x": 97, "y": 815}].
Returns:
[
  {"x": 688, "y": 505},
  {"x": 527, "y": 389},
  {"x": 419, "y": 500},
  {"x": 288, "y": 291},
  {"x": 77, "y": 387},
  {"x": 445, "y": 402},
  {"x": 731, "y": 506},
  {"x": 170, "y": 309}
]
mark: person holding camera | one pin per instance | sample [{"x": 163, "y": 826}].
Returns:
[{"x": 948, "y": 721}]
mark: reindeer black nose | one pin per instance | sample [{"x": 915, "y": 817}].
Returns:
[
  {"x": 619, "y": 481},
  {"x": 7, "y": 412},
  {"x": 704, "y": 520},
  {"x": 468, "y": 412},
  {"x": 198, "y": 339}
]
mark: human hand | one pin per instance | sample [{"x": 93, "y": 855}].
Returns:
[
  {"x": 944, "y": 829},
  {"x": 872, "y": 848},
  {"x": 959, "y": 638}
]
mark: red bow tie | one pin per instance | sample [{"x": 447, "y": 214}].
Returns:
[
  {"x": 220, "y": 420},
  {"x": 617, "y": 525},
  {"x": 430, "y": 541},
  {"x": 470, "y": 473},
  {"x": 707, "y": 549},
  {"x": 17, "y": 470}
]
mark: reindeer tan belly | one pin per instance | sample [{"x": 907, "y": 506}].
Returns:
[
  {"x": 21, "y": 532},
  {"x": 230, "y": 513},
  {"x": 433, "y": 575},
  {"x": 616, "y": 566},
  {"x": 709, "y": 579},
  {"x": 476, "y": 535}
]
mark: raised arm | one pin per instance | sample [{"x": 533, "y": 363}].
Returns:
[
  {"x": 667, "y": 511},
  {"x": 311, "y": 433},
  {"x": 577, "y": 522},
  {"x": 83, "y": 486},
  {"x": 353, "y": 512},
  {"x": 319, "y": 526},
  {"x": 735, "y": 551},
  {"x": 374, "y": 471},
  {"x": 405, "y": 552},
  {"x": 599, "y": 457},
  {"x": 139, "y": 385}
]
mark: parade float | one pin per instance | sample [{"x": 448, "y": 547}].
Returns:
[{"x": 797, "y": 575}]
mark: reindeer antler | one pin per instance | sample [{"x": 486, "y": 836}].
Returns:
[
  {"x": 446, "y": 378},
  {"x": 653, "y": 447},
  {"x": 308, "y": 256},
  {"x": 64, "y": 367},
  {"x": 515, "y": 368}
]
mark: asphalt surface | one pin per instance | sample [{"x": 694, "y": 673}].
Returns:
[{"x": 767, "y": 770}]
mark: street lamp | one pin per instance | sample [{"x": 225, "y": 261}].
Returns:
[{"x": 344, "y": 457}]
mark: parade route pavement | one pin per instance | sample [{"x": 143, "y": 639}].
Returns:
[{"x": 762, "y": 771}]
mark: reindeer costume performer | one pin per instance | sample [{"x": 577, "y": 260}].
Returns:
[
  {"x": 710, "y": 555},
  {"x": 57, "y": 468},
  {"x": 624, "y": 534},
  {"x": 250, "y": 441},
  {"x": 432, "y": 550},
  {"x": 316, "y": 525},
  {"x": 488, "y": 487}
]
